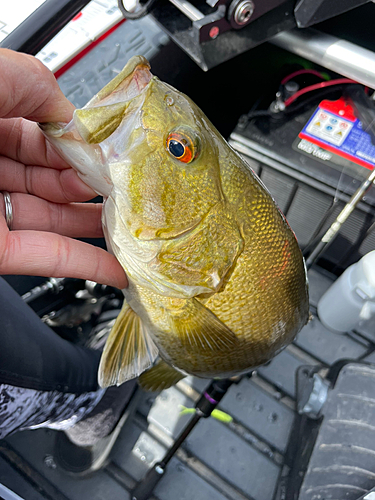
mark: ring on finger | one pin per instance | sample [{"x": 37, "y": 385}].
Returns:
[{"x": 8, "y": 209}]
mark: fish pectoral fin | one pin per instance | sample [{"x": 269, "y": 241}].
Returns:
[
  {"x": 128, "y": 352},
  {"x": 199, "y": 328},
  {"x": 161, "y": 376}
]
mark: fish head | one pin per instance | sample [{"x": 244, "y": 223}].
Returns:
[
  {"x": 172, "y": 179},
  {"x": 155, "y": 158},
  {"x": 150, "y": 148}
]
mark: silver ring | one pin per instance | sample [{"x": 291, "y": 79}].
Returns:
[{"x": 8, "y": 210}]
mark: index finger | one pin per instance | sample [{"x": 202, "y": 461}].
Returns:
[
  {"x": 47, "y": 254},
  {"x": 23, "y": 141}
]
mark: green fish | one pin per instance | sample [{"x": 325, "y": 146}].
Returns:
[{"x": 217, "y": 282}]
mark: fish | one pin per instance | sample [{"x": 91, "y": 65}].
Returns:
[{"x": 217, "y": 281}]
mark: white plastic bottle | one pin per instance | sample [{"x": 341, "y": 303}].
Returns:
[{"x": 351, "y": 298}]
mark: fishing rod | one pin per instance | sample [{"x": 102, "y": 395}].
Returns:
[
  {"x": 335, "y": 227},
  {"x": 203, "y": 409}
]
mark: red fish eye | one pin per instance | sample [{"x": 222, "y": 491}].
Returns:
[{"x": 181, "y": 147}]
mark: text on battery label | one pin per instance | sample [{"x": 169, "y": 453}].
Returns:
[{"x": 314, "y": 150}]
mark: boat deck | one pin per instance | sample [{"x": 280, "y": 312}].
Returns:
[{"x": 236, "y": 461}]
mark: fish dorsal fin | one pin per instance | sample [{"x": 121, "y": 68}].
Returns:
[
  {"x": 199, "y": 328},
  {"x": 159, "y": 377},
  {"x": 128, "y": 352},
  {"x": 97, "y": 124}
]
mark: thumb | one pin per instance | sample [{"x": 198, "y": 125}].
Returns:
[{"x": 29, "y": 90}]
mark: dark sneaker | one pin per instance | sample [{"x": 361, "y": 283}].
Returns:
[{"x": 84, "y": 448}]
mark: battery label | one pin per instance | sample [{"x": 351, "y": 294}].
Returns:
[{"x": 334, "y": 128}]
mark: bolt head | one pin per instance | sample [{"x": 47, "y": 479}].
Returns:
[{"x": 243, "y": 12}]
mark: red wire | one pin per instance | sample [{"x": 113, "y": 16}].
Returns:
[
  {"x": 301, "y": 72},
  {"x": 321, "y": 85}
]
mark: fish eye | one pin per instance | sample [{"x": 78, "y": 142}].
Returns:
[{"x": 182, "y": 147}]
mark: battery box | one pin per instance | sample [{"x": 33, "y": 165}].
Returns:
[{"x": 334, "y": 128}]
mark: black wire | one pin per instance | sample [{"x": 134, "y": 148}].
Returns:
[
  {"x": 262, "y": 112},
  {"x": 137, "y": 14},
  {"x": 318, "y": 233},
  {"x": 293, "y": 108}
]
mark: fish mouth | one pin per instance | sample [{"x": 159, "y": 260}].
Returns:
[
  {"x": 127, "y": 85},
  {"x": 104, "y": 112}
]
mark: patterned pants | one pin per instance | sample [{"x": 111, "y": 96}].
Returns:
[{"x": 45, "y": 381}]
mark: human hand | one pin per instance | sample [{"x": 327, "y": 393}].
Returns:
[{"x": 46, "y": 193}]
